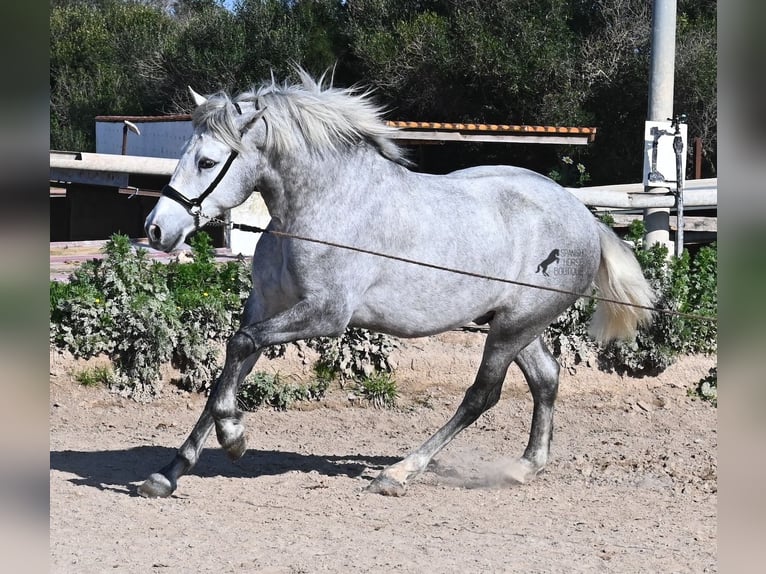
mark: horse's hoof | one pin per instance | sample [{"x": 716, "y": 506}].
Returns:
[
  {"x": 231, "y": 437},
  {"x": 387, "y": 486},
  {"x": 237, "y": 448},
  {"x": 520, "y": 471},
  {"x": 156, "y": 486}
]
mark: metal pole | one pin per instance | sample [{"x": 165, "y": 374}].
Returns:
[
  {"x": 661, "y": 72},
  {"x": 678, "y": 148}
]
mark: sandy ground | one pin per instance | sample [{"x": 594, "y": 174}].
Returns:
[{"x": 631, "y": 486}]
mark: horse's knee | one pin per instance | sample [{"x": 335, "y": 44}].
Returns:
[
  {"x": 241, "y": 345},
  {"x": 541, "y": 371}
]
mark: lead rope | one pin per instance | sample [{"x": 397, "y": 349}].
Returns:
[{"x": 255, "y": 229}]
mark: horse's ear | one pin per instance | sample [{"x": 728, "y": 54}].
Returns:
[
  {"x": 198, "y": 99},
  {"x": 260, "y": 129}
]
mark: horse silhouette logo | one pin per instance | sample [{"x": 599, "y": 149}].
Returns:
[{"x": 553, "y": 257}]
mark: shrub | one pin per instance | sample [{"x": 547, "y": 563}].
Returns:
[
  {"x": 119, "y": 306},
  {"x": 143, "y": 315},
  {"x": 682, "y": 284},
  {"x": 568, "y": 337},
  {"x": 356, "y": 354},
  {"x": 379, "y": 389},
  {"x": 707, "y": 388},
  {"x": 260, "y": 389},
  {"x": 93, "y": 377},
  {"x": 209, "y": 300}
]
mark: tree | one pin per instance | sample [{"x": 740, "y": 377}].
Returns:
[
  {"x": 557, "y": 62},
  {"x": 283, "y": 33},
  {"x": 97, "y": 54},
  {"x": 489, "y": 61},
  {"x": 613, "y": 66},
  {"x": 206, "y": 50}
]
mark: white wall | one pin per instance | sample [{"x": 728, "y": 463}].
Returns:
[{"x": 157, "y": 139}]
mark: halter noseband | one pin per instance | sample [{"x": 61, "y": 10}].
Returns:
[{"x": 194, "y": 206}]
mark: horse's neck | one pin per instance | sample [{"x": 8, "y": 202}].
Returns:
[{"x": 307, "y": 186}]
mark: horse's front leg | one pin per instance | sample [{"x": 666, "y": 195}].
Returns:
[
  {"x": 305, "y": 320},
  {"x": 163, "y": 483}
]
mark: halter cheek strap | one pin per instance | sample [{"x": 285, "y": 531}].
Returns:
[{"x": 194, "y": 206}]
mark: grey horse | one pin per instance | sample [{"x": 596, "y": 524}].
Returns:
[{"x": 325, "y": 164}]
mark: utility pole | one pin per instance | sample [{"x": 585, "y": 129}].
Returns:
[{"x": 661, "y": 75}]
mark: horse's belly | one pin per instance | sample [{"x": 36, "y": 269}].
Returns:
[{"x": 419, "y": 312}]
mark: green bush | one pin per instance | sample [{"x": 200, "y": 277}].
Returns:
[
  {"x": 379, "y": 390},
  {"x": 119, "y": 306},
  {"x": 568, "y": 337},
  {"x": 683, "y": 285},
  {"x": 143, "y": 315},
  {"x": 209, "y": 298},
  {"x": 707, "y": 388},
  {"x": 94, "y": 377},
  {"x": 262, "y": 389},
  {"x": 356, "y": 354}
]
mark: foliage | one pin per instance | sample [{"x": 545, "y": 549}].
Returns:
[
  {"x": 143, "y": 315},
  {"x": 209, "y": 299},
  {"x": 569, "y": 173},
  {"x": 119, "y": 306},
  {"x": 356, "y": 354},
  {"x": 568, "y": 337},
  {"x": 683, "y": 285},
  {"x": 379, "y": 390},
  {"x": 686, "y": 285},
  {"x": 469, "y": 60},
  {"x": 206, "y": 50},
  {"x": 97, "y": 54},
  {"x": 99, "y": 375},
  {"x": 554, "y": 62},
  {"x": 707, "y": 387},
  {"x": 260, "y": 389}
]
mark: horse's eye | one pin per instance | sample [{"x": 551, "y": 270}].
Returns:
[{"x": 206, "y": 163}]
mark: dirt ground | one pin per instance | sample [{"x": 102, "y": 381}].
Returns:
[{"x": 631, "y": 485}]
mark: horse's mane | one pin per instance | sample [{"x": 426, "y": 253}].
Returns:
[{"x": 324, "y": 118}]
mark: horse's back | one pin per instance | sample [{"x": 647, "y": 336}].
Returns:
[{"x": 507, "y": 201}]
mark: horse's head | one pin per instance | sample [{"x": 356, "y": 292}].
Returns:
[{"x": 216, "y": 172}]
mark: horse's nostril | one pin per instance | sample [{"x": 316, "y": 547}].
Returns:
[{"x": 154, "y": 233}]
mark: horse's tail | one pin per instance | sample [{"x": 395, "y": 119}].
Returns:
[{"x": 619, "y": 278}]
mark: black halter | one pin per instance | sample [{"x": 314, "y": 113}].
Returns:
[{"x": 194, "y": 206}]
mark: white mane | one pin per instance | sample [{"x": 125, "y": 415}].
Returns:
[{"x": 322, "y": 118}]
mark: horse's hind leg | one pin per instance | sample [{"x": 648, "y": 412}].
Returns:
[
  {"x": 499, "y": 352},
  {"x": 541, "y": 370},
  {"x": 163, "y": 483}
]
